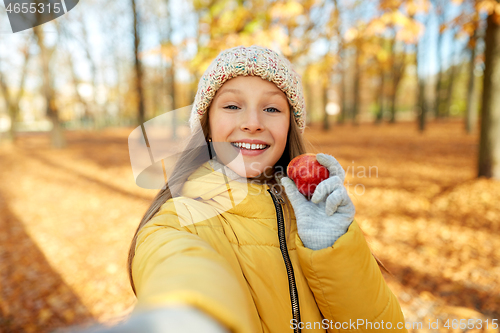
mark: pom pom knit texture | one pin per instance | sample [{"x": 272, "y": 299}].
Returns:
[{"x": 244, "y": 61}]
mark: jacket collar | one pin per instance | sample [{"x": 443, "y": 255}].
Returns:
[{"x": 217, "y": 185}]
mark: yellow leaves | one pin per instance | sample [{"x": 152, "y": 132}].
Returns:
[
  {"x": 414, "y": 7},
  {"x": 330, "y": 60},
  {"x": 44, "y": 315},
  {"x": 461, "y": 312},
  {"x": 166, "y": 50},
  {"x": 389, "y": 4},
  {"x": 490, "y": 7},
  {"x": 351, "y": 34},
  {"x": 377, "y": 26},
  {"x": 232, "y": 20},
  {"x": 399, "y": 18},
  {"x": 411, "y": 33},
  {"x": 277, "y": 36},
  {"x": 69, "y": 315},
  {"x": 407, "y": 29},
  {"x": 286, "y": 10},
  {"x": 199, "y": 4},
  {"x": 382, "y": 55},
  {"x": 470, "y": 27},
  {"x": 442, "y": 28},
  {"x": 411, "y": 8},
  {"x": 466, "y": 22},
  {"x": 372, "y": 49},
  {"x": 487, "y": 6},
  {"x": 274, "y": 37},
  {"x": 314, "y": 70}
]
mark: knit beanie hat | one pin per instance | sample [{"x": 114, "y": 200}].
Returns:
[{"x": 244, "y": 61}]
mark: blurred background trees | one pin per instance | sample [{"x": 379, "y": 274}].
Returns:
[
  {"x": 120, "y": 64},
  {"x": 409, "y": 88}
]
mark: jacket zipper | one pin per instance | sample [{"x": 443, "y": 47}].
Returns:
[{"x": 294, "y": 296}]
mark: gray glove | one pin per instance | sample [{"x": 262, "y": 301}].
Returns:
[
  {"x": 182, "y": 319},
  {"x": 321, "y": 221}
]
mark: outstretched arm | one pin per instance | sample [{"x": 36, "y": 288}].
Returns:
[
  {"x": 174, "y": 266},
  {"x": 179, "y": 319}
]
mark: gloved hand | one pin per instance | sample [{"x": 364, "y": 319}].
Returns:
[
  {"x": 321, "y": 221},
  {"x": 182, "y": 319}
]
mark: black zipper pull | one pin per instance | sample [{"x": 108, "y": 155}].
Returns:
[{"x": 278, "y": 196}]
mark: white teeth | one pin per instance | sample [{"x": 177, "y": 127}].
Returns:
[{"x": 248, "y": 145}]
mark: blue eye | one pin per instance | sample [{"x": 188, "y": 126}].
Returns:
[
  {"x": 277, "y": 111},
  {"x": 234, "y": 107}
]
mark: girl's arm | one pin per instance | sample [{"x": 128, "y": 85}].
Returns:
[
  {"x": 174, "y": 266},
  {"x": 340, "y": 269},
  {"x": 348, "y": 285}
]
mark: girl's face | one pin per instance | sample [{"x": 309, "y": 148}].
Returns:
[{"x": 249, "y": 109}]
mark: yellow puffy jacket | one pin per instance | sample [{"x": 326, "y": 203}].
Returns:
[{"x": 216, "y": 248}]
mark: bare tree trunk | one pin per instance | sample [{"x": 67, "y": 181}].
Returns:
[
  {"x": 451, "y": 82},
  {"x": 342, "y": 67},
  {"x": 343, "y": 89},
  {"x": 398, "y": 68},
  {"x": 440, "y": 13},
  {"x": 121, "y": 78},
  {"x": 13, "y": 101},
  {"x": 173, "y": 93},
  {"x": 422, "y": 104},
  {"x": 87, "y": 114},
  {"x": 489, "y": 144},
  {"x": 13, "y": 114},
  {"x": 57, "y": 135},
  {"x": 357, "y": 79},
  {"x": 470, "y": 113},
  {"x": 449, "y": 90},
  {"x": 138, "y": 66},
  {"x": 392, "y": 97},
  {"x": 393, "y": 105},
  {"x": 91, "y": 112},
  {"x": 167, "y": 40},
  {"x": 380, "y": 111},
  {"x": 381, "y": 89},
  {"x": 439, "y": 83},
  {"x": 326, "y": 124},
  {"x": 421, "y": 99}
]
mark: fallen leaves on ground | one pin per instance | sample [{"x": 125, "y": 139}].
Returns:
[{"x": 67, "y": 218}]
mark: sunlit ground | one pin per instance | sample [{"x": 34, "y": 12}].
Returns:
[{"x": 67, "y": 218}]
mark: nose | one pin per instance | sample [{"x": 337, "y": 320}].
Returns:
[{"x": 251, "y": 120}]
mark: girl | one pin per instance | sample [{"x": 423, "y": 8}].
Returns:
[{"x": 230, "y": 245}]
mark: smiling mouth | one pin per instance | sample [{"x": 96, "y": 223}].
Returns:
[{"x": 249, "y": 146}]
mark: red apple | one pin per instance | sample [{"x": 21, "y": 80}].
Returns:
[{"x": 306, "y": 172}]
